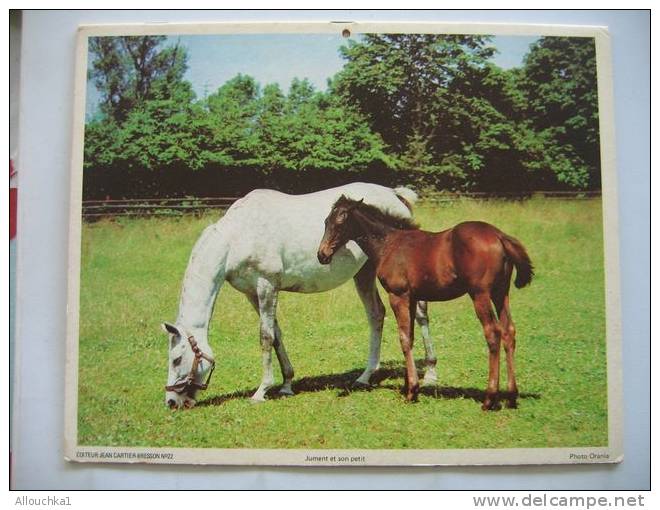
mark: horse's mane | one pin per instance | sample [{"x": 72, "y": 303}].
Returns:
[{"x": 375, "y": 214}]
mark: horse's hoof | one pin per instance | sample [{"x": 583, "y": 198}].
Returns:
[
  {"x": 257, "y": 400},
  {"x": 430, "y": 374},
  {"x": 286, "y": 392},
  {"x": 361, "y": 386},
  {"x": 430, "y": 380},
  {"x": 511, "y": 404}
]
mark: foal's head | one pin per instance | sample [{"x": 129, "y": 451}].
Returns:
[
  {"x": 347, "y": 221},
  {"x": 338, "y": 228}
]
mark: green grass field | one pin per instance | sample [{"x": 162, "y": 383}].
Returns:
[{"x": 131, "y": 275}]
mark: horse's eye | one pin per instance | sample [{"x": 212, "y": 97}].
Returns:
[{"x": 177, "y": 361}]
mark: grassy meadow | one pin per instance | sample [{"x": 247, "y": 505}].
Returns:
[{"x": 131, "y": 272}]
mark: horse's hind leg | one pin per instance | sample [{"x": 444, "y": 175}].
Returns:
[
  {"x": 280, "y": 351},
  {"x": 508, "y": 328},
  {"x": 365, "y": 283},
  {"x": 422, "y": 318},
  {"x": 492, "y": 332}
]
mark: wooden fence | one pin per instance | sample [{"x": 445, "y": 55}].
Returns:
[{"x": 95, "y": 209}]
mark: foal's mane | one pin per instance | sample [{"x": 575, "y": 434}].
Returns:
[{"x": 377, "y": 215}]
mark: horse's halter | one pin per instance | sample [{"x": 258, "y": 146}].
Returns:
[{"x": 189, "y": 382}]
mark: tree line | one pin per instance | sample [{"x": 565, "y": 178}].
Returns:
[{"x": 433, "y": 111}]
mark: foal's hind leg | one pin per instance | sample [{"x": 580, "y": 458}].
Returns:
[
  {"x": 492, "y": 332},
  {"x": 422, "y": 318},
  {"x": 365, "y": 283},
  {"x": 508, "y": 328}
]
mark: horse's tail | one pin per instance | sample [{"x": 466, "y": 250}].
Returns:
[
  {"x": 407, "y": 196},
  {"x": 516, "y": 252}
]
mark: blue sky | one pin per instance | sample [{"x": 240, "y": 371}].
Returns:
[{"x": 278, "y": 58}]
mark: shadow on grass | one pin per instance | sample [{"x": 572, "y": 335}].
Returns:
[{"x": 382, "y": 379}]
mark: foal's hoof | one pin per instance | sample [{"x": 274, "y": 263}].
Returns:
[
  {"x": 491, "y": 405},
  {"x": 411, "y": 395},
  {"x": 257, "y": 399}
]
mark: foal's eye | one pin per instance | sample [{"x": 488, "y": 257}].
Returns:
[{"x": 177, "y": 361}]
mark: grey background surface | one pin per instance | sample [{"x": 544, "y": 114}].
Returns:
[{"x": 47, "y": 71}]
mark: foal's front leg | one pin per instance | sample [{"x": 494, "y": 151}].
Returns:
[{"x": 404, "y": 311}]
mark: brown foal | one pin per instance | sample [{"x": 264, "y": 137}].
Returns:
[{"x": 472, "y": 258}]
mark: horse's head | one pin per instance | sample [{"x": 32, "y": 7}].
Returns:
[
  {"x": 338, "y": 228},
  {"x": 189, "y": 368}
]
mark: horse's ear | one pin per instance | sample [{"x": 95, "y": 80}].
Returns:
[
  {"x": 175, "y": 335},
  {"x": 171, "y": 329}
]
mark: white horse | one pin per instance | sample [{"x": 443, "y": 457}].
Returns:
[{"x": 265, "y": 243}]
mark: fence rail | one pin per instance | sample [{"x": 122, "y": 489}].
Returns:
[{"x": 95, "y": 209}]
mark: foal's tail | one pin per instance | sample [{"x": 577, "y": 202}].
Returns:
[{"x": 516, "y": 252}]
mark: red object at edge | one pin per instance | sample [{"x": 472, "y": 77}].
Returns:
[{"x": 13, "y": 197}]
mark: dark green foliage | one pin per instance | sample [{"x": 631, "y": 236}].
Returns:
[
  {"x": 437, "y": 102},
  {"x": 430, "y": 110},
  {"x": 454, "y": 120},
  {"x": 401, "y": 82},
  {"x": 560, "y": 83}
]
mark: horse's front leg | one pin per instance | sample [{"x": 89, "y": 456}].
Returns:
[
  {"x": 422, "y": 318},
  {"x": 404, "y": 310},
  {"x": 365, "y": 283},
  {"x": 282, "y": 357},
  {"x": 267, "y": 302},
  {"x": 285, "y": 364}
]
